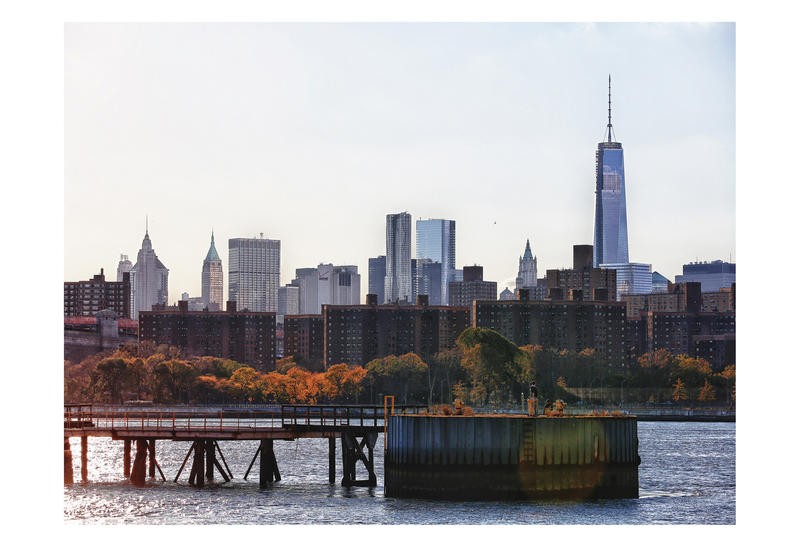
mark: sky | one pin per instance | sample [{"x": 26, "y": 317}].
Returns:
[{"x": 310, "y": 133}]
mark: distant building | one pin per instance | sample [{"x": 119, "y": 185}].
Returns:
[
  {"x": 594, "y": 284},
  {"x": 358, "y": 334},
  {"x": 125, "y": 266},
  {"x": 428, "y": 280},
  {"x": 436, "y": 242},
  {"x": 88, "y": 298},
  {"x": 149, "y": 280},
  {"x": 632, "y": 278},
  {"x": 571, "y": 325},
  {"x": 660, "y": 283},
  {"x": 254, "y": 266},
  {"x": 507, "y": 295},
  {"x": 398, "y": 281},
  {"x": 712, "y": 276},
  {"x": 473, "y": 287},
  {"x": 527, "y": 272},
  {"x": 327, "y": 284},
  {"x": 693, "y": 333},
  {"x": 288, "y": 301},
  {"x": 377, "y": 277},
  {"x": 211, "y": 279},
  {"x": 243, "y": 336},
  {"x": 304, "y": 339},
  {"x": 682, "y": 297},
  {"x": 105, "y": 332}
]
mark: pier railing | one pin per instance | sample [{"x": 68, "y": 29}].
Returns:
[{"x": 201, "y": 419}]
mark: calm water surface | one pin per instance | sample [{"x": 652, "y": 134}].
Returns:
[{"x": 687, "y": 476}]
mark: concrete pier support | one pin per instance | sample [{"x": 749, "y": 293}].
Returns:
[{"x": 68, "y": 478}]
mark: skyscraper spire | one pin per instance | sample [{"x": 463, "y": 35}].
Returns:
[{"x": 609, "y": 108}]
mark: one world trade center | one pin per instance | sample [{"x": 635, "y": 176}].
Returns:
[{"x": 610, "y": 218}]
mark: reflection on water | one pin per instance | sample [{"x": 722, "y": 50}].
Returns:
[{"x": 687, "y": 476}]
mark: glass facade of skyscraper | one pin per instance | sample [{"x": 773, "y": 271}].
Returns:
[
  {"x": 436, "y": 241},
  {"x": 397, "y": 286},
  {"x": 610, "y": 221}
]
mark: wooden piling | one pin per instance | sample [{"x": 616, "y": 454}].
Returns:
[
  {"x": 197, "y": 477},
  {"x": 68, "y": 478},
  {"x": 151, "y": 451},
  {"x": 331, "y": 460},
  {"x": 84, "y": 458},
  {"x": 268, "y": 465},
  {"x": 210, "y": 460},
  {"x": 126, "y": 458},
  {"x": 139, "y": 463}
]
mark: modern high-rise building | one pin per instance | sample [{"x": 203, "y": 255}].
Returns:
[
  {"x": 149, "y": 280},
  {"x": 610, "y": 217},
  {"x": 527, "y": 274},
  {"x": 377, "y": 277},
  {"x": 254, "y": 266},
  {"x": 398, "y": 283},
  {"x": 436, "y": 241},
  {"x": 211, "y": 282}
]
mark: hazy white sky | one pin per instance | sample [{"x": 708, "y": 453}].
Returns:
[{"x": 312, "y": 133}]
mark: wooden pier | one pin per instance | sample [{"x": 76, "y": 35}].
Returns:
[{"x": 356, "y": 426}]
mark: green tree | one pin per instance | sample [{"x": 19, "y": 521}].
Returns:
[
  {"x": 173, "y": 380},
  {"x": 113, "y": 375},
  {"x": 494, "y": 364}
]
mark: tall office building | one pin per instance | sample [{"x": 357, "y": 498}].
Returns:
[
  {"x": 125, "y": 266},
  {"x": 326, "y": 284},
  {"x": 377, "y": 277},
  {"x": 436, "y": 241},
  {"x": 398, "y": 284},
  {"x": 610, "y": 218},
  {"x": 211, "y": 282},
  {"x": 254, "y": 266},
  {"x": 526, "y": 275},
  {"x": 149, "y": 279}
]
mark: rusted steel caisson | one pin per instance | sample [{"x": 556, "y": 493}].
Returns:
[{"x": 511, "y": 457}]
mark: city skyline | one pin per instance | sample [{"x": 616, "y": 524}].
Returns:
[{"x": 253, "y": 128}]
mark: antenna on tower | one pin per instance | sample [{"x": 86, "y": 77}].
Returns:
[{"x": 609, "y": 108}]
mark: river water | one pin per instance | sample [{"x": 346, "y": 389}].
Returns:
[{"x": 687, "y": 476}]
